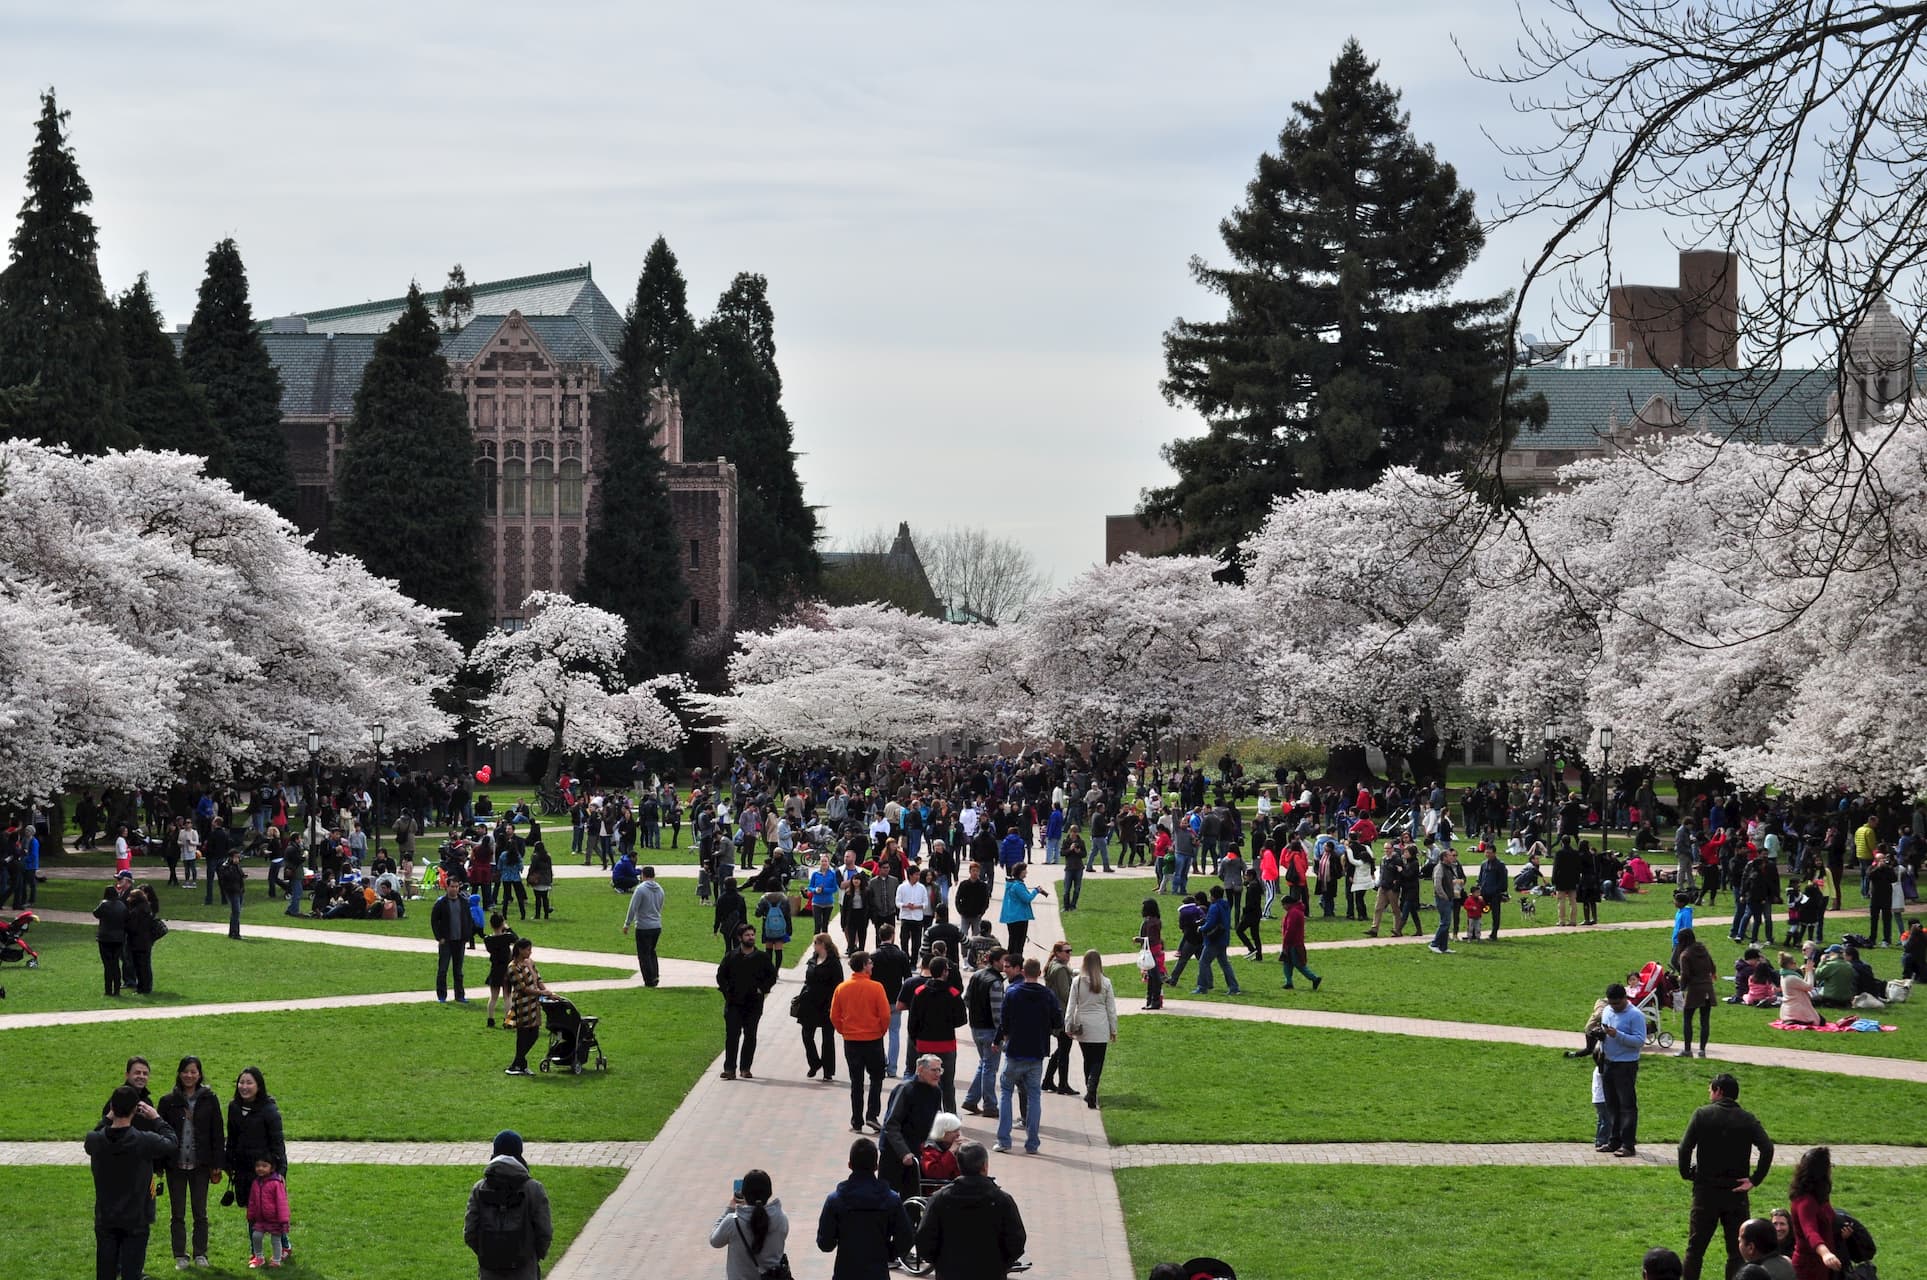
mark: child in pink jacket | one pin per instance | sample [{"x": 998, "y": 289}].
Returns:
[{"x": 267, "y": 1213}]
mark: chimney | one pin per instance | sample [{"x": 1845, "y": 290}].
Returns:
[{"x": 288, "y": 324}]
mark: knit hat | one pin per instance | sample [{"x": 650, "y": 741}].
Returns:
[{"x": 508, "y": 1143}]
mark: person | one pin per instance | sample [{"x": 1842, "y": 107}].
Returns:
[
  {"x": 141, "y": 932},
  {"x": 1883, "y": 896},
  {"x": 233, "y": 882},
  {"x": 1448, "y": 891},
  {"x": 935, "y": 1009},
  {"x": 253, "y": 1135},
  {"x": 1214, "y": 940},
  {"x": 122, "y": 1159},
  {"x": 1250, "y": 898},
  {"x": 1760, "y": 1247},
  {"x": 1623, "y": 1036},
  {"x": 971, "y": 1229},
  {"x": 500, "y": 945},
  {"x": 1190, "y": 934},
  {"x": 645, "y": 917},
  {"x": 984, "y": 1003},
  {"x": 863, "y": 1222},
  {"x": 540, "y": 875},
  {"x": 1796, "y": 992},
  {"x": 1660, "y": 1264},
  {"x": 1150, "y": 937},
  {"x": 448, "y": 920},
  {"x": 1072, "y": 888},
  {"x": 1493, "y": 881},
  {"x": 192, "y": 1112},
  {"x": 753, "y": 1227},
  {"x": 860, "y": 1013},
  {"x": 1291, "y": 945},
  {"x": 822, "y": 889},
  {"x": 912, "y": 908},
  {"x": 911, "y": 1118},
  {"x": 507, "y": 1224},
  {"x": 1017, "y": 914},
  {"x": 526, "y": 990},
  {"x": 972, "y": 898},
  {"x": 267, "y": 1214},
  {"x": 1682, "y": 917},
  {"x": 1057, "y": 976},
  {"x": 1090, "y": 1018},
  {"x": 821, "y": 975},
  {"x": 1698, "y": 975},
  {"x": 937, "y": 1161},
  {"x": 1024, "y": 1033},
  {"x": 744, "y": 977},
  {"x": 110, "y": 936},
  {"x": 891, "y": 968},
  {"x": 1815, "y": 1232},
  {"x": 1716, "y": 1156},
  {"x": 1833, "y": 979}
]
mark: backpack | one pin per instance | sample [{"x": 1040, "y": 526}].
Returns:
[
  {"x": 775, "y": 927},
  {"x": 1858, "y": 1247},
  {"x": 502, "y": 1228}
]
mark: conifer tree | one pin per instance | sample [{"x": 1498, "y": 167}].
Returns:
[
  {"x": 57, "y": 327},
  {"x": 660, "y": 316},
  {"x": 161, "y": 403},
  {"x": 406, "y": 501},
  {"x": 455, "y": 307},
  {"x": 225, "y": 358},
  {"x": 1338, "y": 355}
]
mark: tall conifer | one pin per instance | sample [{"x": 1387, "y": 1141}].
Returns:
[
  {"x": 226, "y": 359},
  {"x": 161, "y": 403}
]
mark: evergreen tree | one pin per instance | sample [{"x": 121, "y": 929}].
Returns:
[
  {"x": 745, "y": 304},
  {"x": 456, "y": 305},
  {"x": 1338, "y": 356},
  {"x": 56, "y": 322},
  {"x": 226, "y": 359},
  {"x": 406, "y": 501},
  {"x": 161, "y": 402},
  {"x": 659, "y": 316}
]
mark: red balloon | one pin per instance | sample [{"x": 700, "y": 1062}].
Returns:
[{"x": 483, "y": 774}]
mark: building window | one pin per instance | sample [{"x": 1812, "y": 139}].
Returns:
[
  {"x": 542, "y": 487},
  {"x": 513, "y": 472},
  {"x": 695, "y": 552},
  {"x": 569, "y": 487},
  {"x": 543, "y": 407},
  {"x": 512, "y": 411},
  {"x": 485, "y": 412},
  {"x": 485, "y": 478},
  {"x": 695, "y": 615}
]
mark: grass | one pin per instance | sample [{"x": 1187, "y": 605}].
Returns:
[
  {"x": 337, "y": 1217},
  {"x": 430, "y": 1073},
  {"x": 1171, "y": 1079},
  {"x": 199, "y": 968},
  {"x": 1371, "y": 1222},
  {"x": 588, "y": 917},
  {"x": 1543, "y": 980}
]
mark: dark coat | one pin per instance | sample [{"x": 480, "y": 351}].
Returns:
[
  {"x": 820, "y": 979},
  {"x": 203, "y": 1113},
  {"x": 972, "y": 1230},
  {"x": 864, "y": 1225}
]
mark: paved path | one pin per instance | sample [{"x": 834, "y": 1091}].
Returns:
[
  {"x": 585, "y": 1155},
  {"x": 1422, "y": 939},
  {"x": 657, "y": 1222},
  {"x": 1531, "y": 1154}
]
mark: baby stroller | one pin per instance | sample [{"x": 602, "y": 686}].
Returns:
[
  {"x": 13, "y": 940},
  {"x": 572, "y": 1037},
  {"x": 1651, "y": 990}
]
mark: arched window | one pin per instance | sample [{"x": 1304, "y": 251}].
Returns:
[
  {"x": 513, "y": 485},
  {"x": 569, "y": 487},
  {"x": 542, "y": 487},
  {"x": 485, "y": 480}
]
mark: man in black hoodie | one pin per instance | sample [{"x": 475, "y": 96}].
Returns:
[
  {"x": 972, "y": 1229},
  {"x": 744, "y": 977},
  {"x": 123, "y": 1159},
  {"x": 507, "y": 1224},
  {"x": 863, "y": 1222}
]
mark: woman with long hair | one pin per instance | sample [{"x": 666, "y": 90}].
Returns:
[
  {"x": 253, "y": 1134},
  {"x": 1150, "y": 936},
  {"x": 1698, "y": 979},
  {"x": 1810, "y": 1201},
  {"x": 820, "y": 978},
  {"x": 1091, "y": 1020},
  {"x": 753, "y": 1227},
  {"x": 192, "y": 1111}
]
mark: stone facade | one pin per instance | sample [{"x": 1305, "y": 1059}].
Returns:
[{"x": 1126, "y": 534}]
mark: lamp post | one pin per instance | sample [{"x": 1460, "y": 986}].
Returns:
[
  {"x": 1605, "y": 783},
  {"x": 381, "y": 785},
  {"x": 1551, "y": 739},
  {"x": 314, "y": 786}
]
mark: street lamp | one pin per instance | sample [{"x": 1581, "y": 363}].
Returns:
[
  {"x": 314, "y": 785},
  {"x": 1551, "y": 738},
  {"x": 1605, "y": 783},
  {"x": 381, "y": 783}
]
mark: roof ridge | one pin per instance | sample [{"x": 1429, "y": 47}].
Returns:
[{"x": 491, "y": 286}]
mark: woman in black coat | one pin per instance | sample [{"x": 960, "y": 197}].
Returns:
[
  {"x": 1565, "y": 880},
  {"x": 140, "y": 941},
  {"x": 820, "y": 979},
  {"x": 253, "y": 1133},
  {"x": 1592, "y": 882},
  {"x": 193, "y": 1112}
]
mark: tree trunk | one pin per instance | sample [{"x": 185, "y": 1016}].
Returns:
[
  {"x": 57, "y": 825},
  {"x": 1346, "y": 767},
  {"x": 554, "y": 769}
]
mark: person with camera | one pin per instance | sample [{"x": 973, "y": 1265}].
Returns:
[{"x": 754, "y": 1228}]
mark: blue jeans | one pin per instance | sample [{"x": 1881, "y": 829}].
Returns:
[
  {"x": 912, "y": 841},
  {"x": 1742, "y": 913},
  {"x": 983, "y": 1085},
  {"x": 1027, "y": 1074},
  {"x": 1073, "y": 886},
  {"x": 1443, "y": 937},
  {"x": 1214, "y": 950},
  {"x": 575, "y": 840},
  {"x": 294, "y": 896},
  {"x": 1052, "y": 846},
  {"x": 891, "y": 1044},
  {"x": 1181, "y": 881},
  {"x": 234, "y": 915},
  {"x": 1101, "y": 850}
]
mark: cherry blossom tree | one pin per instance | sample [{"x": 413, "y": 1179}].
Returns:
[{"x": 557, "y": 683}]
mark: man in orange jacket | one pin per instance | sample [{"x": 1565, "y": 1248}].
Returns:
[{"x": 860, "y": 1012}]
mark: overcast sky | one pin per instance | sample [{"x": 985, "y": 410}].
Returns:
[{"x": 975, "y": 221}]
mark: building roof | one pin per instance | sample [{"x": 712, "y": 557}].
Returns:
[
  {"x": 571, "y": 291},
  {"x": 1762, "y": 406},
  {"x": 567, "y": 337}
]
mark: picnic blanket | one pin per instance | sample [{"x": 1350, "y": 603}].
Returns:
[{"x": 1845, "y": 1024}]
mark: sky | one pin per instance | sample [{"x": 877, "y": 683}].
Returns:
[{"x": 975, "y": 222}]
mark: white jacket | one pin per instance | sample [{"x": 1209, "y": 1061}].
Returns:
[{"x": 1097, "y": 1013}]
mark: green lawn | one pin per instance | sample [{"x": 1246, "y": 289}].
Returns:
[
  {"x": 429, "y": 1072},
  {"x": 1177, "y": 1079},
  {"x": 1540, "y": 980},
  {"x": 348, "y": 1222},
  {"x": 588, "y": 916},
  {"x": 1370, "y": 1222},
  {"x": 199, "y": 968}
]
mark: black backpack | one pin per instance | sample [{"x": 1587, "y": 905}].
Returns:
[
  {"x": 502, "y": 1230},
  {"x": 1857, "y": 1247}
]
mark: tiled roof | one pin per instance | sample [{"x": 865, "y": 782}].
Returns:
[
  {"x": 1787, "y": 406},
  {"x": 319, "y": 372},
  {"x": 566, "y": 337},
  {"x": 571, "y": 291}
]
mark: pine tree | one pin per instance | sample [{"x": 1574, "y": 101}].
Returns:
[
  {"x": 225, "y": 358},
  {"x": 406, "y": 500},
  {"x": 456, "y": 305},
  {"x": 57, "y": 327},
  {"x": 633, "y": 566},
  {"x": 745, "y": 304},
  {"x": 1338, "y": 357},
  {"x": 660, "y": 316},
  {"x": 161, "y": 403}
]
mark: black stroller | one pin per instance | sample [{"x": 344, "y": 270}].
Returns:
[{"x": 572, "y": 1037}]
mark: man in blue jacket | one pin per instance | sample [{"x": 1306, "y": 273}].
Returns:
[
  {"x": 1029, "y": 1017},
  {"x": 863, "y": 1222},
  {"x": 1216, "y": 936}
]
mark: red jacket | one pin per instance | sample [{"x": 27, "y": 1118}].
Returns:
[
  {"x": 1291, "y": 934},
  {"x": 268, "y": 1205}
]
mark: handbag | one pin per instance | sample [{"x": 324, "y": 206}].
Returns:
[
  {"x": 796, "y": 1007},
  {"x": 778, "y": 1270},
  {"x": 1899, "y": 990},
  {"x": 1146, "y": 962},
  {"x": 160, "y": 928}
]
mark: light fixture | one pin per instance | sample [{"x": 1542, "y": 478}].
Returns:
[
  {"x": 1606, "y": 738},
  {"x": 379, "y": 732},
  {"x": 314, "y": 742}
]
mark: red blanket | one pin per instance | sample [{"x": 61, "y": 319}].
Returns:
[{"x": 1845, "y": 1024}]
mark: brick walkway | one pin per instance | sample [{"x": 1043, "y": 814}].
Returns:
[
  {"x": 1421, "y": 939},
  {"x": 657, "y": 1222},
  {"x": 1425, "y": 1154},
  {"x": 585, "y": 1155}
]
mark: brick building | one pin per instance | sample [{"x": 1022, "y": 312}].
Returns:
[
  {"x": 1692, "y": 325},
  {"x": 527, "y": 364}
]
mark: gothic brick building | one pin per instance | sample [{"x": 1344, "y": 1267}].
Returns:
[{"x": 526, "y": 364}]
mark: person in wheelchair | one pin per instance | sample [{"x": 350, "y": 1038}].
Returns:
[{"x": 939, "y": 1154}]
